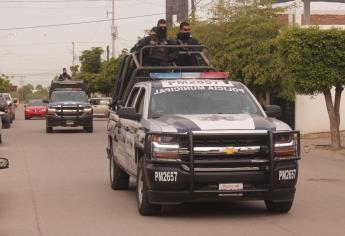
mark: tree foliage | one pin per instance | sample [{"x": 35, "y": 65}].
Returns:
[
  {"x": 100, "y": 76},
  {"x": 314, "y": 61},
  {"x": 242, "y": 38},
  {"x": 91, "y": 60},
  {"x": 5, "y": 85},
  {"x": 28, "y": 92}
]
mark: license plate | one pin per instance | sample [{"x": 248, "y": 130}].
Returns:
[
  {"x": 69, "y": 123},
  {"x": 231, "y": 187}
]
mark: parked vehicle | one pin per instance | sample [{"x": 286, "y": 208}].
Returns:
[
  {"x": 188, "y": 134},
  {"x": 11, "y": 104},
  {"x": 68, "y": 106},
  {"x": 6, "y": 117},
  {"x": 4, "y": 163},
  {"x": 35, "y": 108},
  {"x": 100, "y": 106}
]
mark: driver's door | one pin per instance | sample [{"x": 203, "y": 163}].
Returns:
[{"x": 123, "y": 131}]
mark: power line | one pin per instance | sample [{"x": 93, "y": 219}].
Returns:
[
  {"x": 54, "y": 1},
  {"x": 77, "y": 23}
]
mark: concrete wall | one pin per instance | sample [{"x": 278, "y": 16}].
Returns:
[{"x": 311, "y": 114}]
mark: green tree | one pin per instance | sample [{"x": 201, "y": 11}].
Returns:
[
  {"x": 314, "y": 60},
  {"x": 5, "y": 85},
  {"x": 25, "y": 92},
  {"x": 242, "y": 38},
  {"x": 91, "y": 60}
]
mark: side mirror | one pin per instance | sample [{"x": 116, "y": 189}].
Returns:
[
  {"x": 4, "y": 163},
  {"x": 45, "y": 101},
  {"x": 129, "y": 113},
  {"x": 273, "y": 111}
]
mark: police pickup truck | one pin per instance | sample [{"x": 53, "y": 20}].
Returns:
[
  {"x": 196, "y": 136},
  {"x": 68, "y": 105}
]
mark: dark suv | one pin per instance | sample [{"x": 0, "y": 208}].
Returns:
[
  {"x": 69, "y": 107},
  {"x": 7, "y": 115}
]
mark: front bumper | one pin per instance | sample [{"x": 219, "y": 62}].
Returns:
[
  {"x": 217, "y": 178},
  {"x": 70, "y": 121},
  {"x": 205, "y": 185},
  {"x": 35, "y": 114}
]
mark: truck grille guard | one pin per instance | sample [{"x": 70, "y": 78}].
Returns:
[{"x": 269, "y": 164}]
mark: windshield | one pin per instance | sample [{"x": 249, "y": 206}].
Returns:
[
  {"x": 36, "y": 103},
  {"x": 68, "y": 96},
  {"x": 188, "y": 100}
]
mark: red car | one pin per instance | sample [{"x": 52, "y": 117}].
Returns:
[{"x": 35, "y": 108}]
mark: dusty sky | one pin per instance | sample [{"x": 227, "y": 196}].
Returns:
[{"x": 36, "y": 55}]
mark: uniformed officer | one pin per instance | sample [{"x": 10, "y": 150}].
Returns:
[
  {"x": 184, "y": 37},
  {"x": 64, "y": 75}
]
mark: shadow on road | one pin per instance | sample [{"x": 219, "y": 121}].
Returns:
[{"x": 237, "y": 209}]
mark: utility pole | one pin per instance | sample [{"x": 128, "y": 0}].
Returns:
[
  {"x": 108, "y": 52},
  {"x": 193, "y": 10},
  {"x": 73, "y": 57},
  {"x": 113, "y": 29}
]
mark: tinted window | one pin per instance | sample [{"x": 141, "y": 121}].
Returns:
[
  {"x": 133, "y": 95},
  {"x": 139, "y": 107},
  {"x": 68, "y": 96}
]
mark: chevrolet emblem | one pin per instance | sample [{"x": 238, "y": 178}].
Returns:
[{"x": 230, "y": 150}]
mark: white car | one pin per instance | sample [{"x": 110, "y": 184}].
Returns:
[{"x": 100, "y": 106}]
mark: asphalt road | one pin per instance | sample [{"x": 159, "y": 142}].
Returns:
[{"x": 58, "y": 184}]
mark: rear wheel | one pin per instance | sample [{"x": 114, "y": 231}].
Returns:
[
  {"x": 144, "y": 206},
  {"x": 49, "y": 129},
  {"x": 119, "y": 180},
  {"x": 6, "y": 124},
  {"x": 27, "y": 118},
  {"x": 279, "y": 207}
]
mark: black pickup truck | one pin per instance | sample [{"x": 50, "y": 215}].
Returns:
[{"x": 68, "y": 106}]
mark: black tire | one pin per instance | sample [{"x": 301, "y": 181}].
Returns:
[
  {"x": 6, "y": 124},
  {"x": 27, "y": 118},
  {"x": 14, "y": 117},
  {"x": 119, "y": 180},
  {"x": 88, "y": 129},
  {"x": 49, "y": 129},
  {"x": 279, "y": 207},
  {"x": 145, "y": 208},
  {"x": 0, "y": 139}
]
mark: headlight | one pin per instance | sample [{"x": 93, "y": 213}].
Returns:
[
  {"x": 51, "y": 110},
  {"x": 166, "y": 147},
  {"x": 285, "y": 146},
  {"x": 88, "y": 109}
]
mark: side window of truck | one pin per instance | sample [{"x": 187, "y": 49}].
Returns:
[
  {"x": 132, "y": 96},
  {"x": 139, "y": 106}
]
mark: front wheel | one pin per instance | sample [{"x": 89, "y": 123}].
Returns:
[
  {"x": 88, "y": 129},
  {"x": 279, "y": 207},
  {"x": 144, "y": 206}
]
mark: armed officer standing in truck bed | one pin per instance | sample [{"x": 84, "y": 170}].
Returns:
[
  {"x": 64, "y": 75},
  {"x": 157, "y": 56},
  {"x": 184, "y": 37}
]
